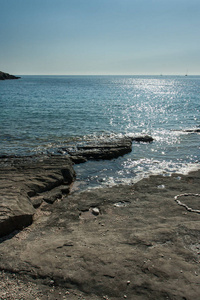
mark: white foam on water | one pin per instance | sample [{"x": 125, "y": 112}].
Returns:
[{"x": 144, "y": 168}]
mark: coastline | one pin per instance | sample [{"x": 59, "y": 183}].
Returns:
[
  {"x": 127, "y": 241},
  {"x": 6, "y": 76}
]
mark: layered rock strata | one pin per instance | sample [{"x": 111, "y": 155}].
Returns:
[
  {"x": 104, "y": 149},
  {"x": 124, "y": 242},
  {"x": 26, "y": 183}
]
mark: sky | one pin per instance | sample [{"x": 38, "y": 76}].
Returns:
[{"x": 100, "y": 37}]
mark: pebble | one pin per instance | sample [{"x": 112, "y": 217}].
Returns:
[
  {"x": 67, "y": 293},
  {"x": 162, "y": 186},
  {"x": 95, "y": 211}
]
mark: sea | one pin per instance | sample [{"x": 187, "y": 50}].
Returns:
[{"x": 41, "y": 114}]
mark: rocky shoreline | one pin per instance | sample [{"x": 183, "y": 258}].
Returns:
[
  {"x": 125, "y": 242},
  {"x": 31, "y": 180}
]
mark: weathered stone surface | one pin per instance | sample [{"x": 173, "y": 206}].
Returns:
[
  {"x": 34, "y": 176},
  {"x": 103, "y": 149},
  {"x": 37, "y": 201},
  {"x": 24, "y": 179},
  {"x": 146, "y": 249},
  {"x": 4, "y": 76},
  {"x": 16, "y": 212},
  {"x": 51, "y": 197}
]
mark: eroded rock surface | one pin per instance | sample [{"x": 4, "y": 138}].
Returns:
[
  {"x": 147, "y": 248},
  {"x": 25, "y": 183},
  {"x": 104, "y": 149}
]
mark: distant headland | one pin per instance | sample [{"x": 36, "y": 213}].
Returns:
[{"x": 4, "y": 76}]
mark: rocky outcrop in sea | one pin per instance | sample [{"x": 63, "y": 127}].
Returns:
[{"x": 4, "y": 76}]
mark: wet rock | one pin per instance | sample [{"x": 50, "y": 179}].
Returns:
[
  {"x": 104, "y": 149},
  {"x": 109, "y": 149},
  {"x": 78, "y": 159},
  {"x": 143, "y": 139},
  {"x": 192, "y": 130}
]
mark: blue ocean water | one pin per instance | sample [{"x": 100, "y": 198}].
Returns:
[{"x": 39, "y": 114}]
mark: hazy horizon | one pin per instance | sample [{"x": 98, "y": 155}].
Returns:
[
  {"x": 159, "y": 75},
  {"x": 107, "y": 37}
]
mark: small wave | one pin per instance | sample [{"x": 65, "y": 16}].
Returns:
[
  {"x": 102, "y": 136},
  {"x": 133, "y": 171}
]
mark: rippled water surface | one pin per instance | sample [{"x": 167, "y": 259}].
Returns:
[{"x": 38, "y": 114}]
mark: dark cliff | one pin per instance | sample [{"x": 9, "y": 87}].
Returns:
[{"x": 4, "y": 76}]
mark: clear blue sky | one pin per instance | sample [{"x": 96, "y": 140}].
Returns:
[{"x": 100, "y": 36}]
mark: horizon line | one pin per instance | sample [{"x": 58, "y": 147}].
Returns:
[{"x": 160, "y": 75}]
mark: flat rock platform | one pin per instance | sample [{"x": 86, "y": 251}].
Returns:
[{"x": 138, "y": 242}]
